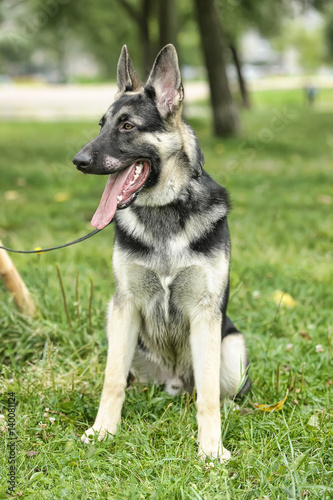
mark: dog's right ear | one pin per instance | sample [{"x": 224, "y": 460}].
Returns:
[{"x": 127, "y": 78}]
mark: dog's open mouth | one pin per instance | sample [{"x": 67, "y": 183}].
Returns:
[{"x": 120, "y": 191}]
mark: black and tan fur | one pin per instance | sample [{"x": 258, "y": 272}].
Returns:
[{"x": 167, "y": 320}]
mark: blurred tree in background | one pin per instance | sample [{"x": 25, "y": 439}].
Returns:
[
  {"x": 239, "y": 16},
  {"x": 225, "y": 116},
  {"x": 38, "y": 36}
]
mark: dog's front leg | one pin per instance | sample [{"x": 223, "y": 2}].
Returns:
[
  {"x": 206, "y": 348},
  {"x": 122, "y": 331}
]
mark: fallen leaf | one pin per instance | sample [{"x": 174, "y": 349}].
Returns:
[
  {"x": 305, "y": 335},
  {"x": 32, "y": 453},
  {"x": 11, "y": 195},
  {"x": 326, "y": 199},
  {"x": 21, "y": 182},
  {"x": 283, "y": 298},
  {"x": 61, "y": 197},
  {"x": 275, "y": 407},
  {"x": 313, "y": 421}
]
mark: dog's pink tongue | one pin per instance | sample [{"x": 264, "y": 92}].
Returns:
[{"x": 108, "y": 204}]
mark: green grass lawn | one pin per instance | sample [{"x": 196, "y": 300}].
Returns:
[{"x": 280, "y": 177}]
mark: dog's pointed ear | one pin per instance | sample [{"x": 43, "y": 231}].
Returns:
[
  {"x": 165, "y": 79},
  {"x": 127, "y": 78}
]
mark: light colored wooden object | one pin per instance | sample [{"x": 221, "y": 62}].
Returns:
[{"x": 15, "y": 285}]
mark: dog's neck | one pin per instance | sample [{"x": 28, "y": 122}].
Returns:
[
  {"x": 167, "y": 189},
  {"x": 184, "y": 152}
]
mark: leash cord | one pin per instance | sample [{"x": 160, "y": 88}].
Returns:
[{"x": 41, "y": 250}]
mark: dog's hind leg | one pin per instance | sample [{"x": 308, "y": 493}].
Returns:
[
  {"x": 144, "y": 369},
  {"x": 234, "y": 362},
  {"x": 122, "y": 330}
]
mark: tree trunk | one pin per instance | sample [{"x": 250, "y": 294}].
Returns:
[
  {"x": 167, "y": 23},
  {"x": 226, "y": 121},
  {"x": 241, "y": 81},
  {"x": 141, "y": 17},
  {"x": 148, "y": 57}
]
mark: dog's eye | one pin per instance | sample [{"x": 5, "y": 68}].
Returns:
[{"x": 127, "y": 126}]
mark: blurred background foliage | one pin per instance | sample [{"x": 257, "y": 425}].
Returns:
[{"x": 65, "y": 41}]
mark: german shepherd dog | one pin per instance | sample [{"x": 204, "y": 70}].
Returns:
[{"x": 167, "y": 320}]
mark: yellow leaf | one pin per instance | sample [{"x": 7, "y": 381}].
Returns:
[
  {"x": 276, "y": 407},
  {"x": 283, "y": 298},
  {"x": 11, "y": 195},
  {"x": 60, "y": 197}
]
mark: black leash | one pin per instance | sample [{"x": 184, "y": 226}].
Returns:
[{"x": 41, "y": 250}]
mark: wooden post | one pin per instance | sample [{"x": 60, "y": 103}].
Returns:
[{"x": 15, "y": 285}]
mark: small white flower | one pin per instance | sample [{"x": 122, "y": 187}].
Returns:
[
  {"x": 2, "y": 417},
  {"x": 289, "y": 347},
  {"x": 42, "y": 426},
  {"x": 52, "y": 420},
  {"x": 47, "y": 409},
  {"x": 256, "y": 294},
  {"x": 45, "y": 415},
  {"x": 319, "y": 348}
]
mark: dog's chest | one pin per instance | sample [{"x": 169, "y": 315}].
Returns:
[{"x": 162, "y": 301}]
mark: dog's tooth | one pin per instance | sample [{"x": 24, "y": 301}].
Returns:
[
  {"x": 139, "y": 168},
  {"x": 135, "y": 177},
  {"x": 119, "y": 198}
]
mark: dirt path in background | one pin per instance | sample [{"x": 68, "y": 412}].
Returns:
[{"x": 57, "y": 102}]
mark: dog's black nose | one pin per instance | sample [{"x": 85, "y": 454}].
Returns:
[{"x": 81, "y": 161}]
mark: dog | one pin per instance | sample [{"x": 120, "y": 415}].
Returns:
[{"x": 167, "y": 320}]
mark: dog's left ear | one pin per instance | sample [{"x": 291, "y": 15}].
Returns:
[
  {"x": 127, "y": 78},
  {"x": 165, "y": 79}
]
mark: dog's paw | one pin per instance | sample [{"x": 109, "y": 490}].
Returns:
[
  {"x": 219, "y": 453},
  {"x": 101, "y": 434},
  {"x": 225, "y": 455}
]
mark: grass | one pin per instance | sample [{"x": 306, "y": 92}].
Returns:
[{"x": 280, "y": 177}]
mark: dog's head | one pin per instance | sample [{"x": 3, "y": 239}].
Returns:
[{"x": 139, "y": 132}]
